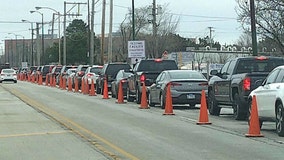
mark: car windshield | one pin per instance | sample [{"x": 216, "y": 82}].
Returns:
[
  {"x": 8, "y": 71},
  {"x": 255, "y": 65},
  {"x": 95, "y": 70},
  {"x": 186, "y": 75},
  {"x": 152, "y": 65},
  {"x": 114, "y": 68}
]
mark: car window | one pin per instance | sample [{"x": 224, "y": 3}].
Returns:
[
  {"x": 95, "y": 70},
  {"x": 280, "y": 77},
  {"x": 186, "y": 75},
  {"x": 272, "y": 77},
  {"x": 152, "y": 65},
  {"x": 225, "y": 68}
]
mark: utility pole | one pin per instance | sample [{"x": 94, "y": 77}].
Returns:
[
  {"x": 133, "y": 21},
  {"x": 110, "y": 31},
  {"x": 210, "y": 36},
  {"x": 92, "y": 33},
  {"x": 253, "y": 28},
  {"x": 154, "y": 8},
  {"x": 103, "y": 31}
]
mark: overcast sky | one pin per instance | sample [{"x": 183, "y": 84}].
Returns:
[{"x": 195, "y": 16}]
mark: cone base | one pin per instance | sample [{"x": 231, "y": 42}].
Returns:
[
  {"x": 254, "y": 135},
  {"x": 120, "y": 102},
  {"x": 168, "y": 114},
  {"x": 203, "y": 123}
]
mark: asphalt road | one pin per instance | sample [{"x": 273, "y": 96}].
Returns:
[{"x": 123, "y": 131}]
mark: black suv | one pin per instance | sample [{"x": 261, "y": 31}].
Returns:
[{"x": 109, "y": 72}]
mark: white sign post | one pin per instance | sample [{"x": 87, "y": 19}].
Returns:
[{"x": 136, "y": 49}]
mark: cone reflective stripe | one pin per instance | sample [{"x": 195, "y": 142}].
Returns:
[
  {"x": 92, "y": 91},
  {"x": 120, "y": 98},
  {"x": 203, "y": 114},
  {"x": 144, "y": 102},
  {"x": 105, "y": 93},
  {"x": 254, "y": 127},
  {"x": 169, "y": 101}
]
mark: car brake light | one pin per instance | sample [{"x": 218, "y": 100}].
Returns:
[
  {"x": 142, "y": 78},
  {"x": 246, "y": 84},
  {"x": 158, "y": 60},
  {"x": 261, "y": 58},
  {"x": 123, "y": 80},
  {"x": 90, "y": 75}
]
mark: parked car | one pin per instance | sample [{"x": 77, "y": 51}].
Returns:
[
  {"x": 69, "y": 75},
  {"x": 109, "y": 72},
  {"x": 54, "y": 72},
  {"x": 8, "y": 75},
  {"x": 92, "y": 73},
  {"x": 270, "y": 99},
  {"x": 80, "y": 73},
  {"x": 45, "y": 70},
  {"x": 122, "y": 77},
  {"x": 63, "y": 72},
  {"x": 186, "y": 87}
]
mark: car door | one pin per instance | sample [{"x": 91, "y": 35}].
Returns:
[
  {"x": 266, "y": 94},
  {"x": 222, "y": 86},
  {"x": 155, "y": 88}
]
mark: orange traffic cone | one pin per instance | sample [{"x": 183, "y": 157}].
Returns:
[
  {"x": 169, "y": 102},
  {"x": 144, "y": 102},
  {"x": 76, "y": 86},
  {"x": 64, "y": 83},
  {"x": 82, "y": 86},
  {"x": 86, "y": 86},
  {"x": 69, "y": 84},
  {"x": 254, "y": 127},
  {"x": 40, "y": 80},
  {"x": 92, "y": 91},
  {"x": 203, "y": 114},
  {"x": 105, "y": 93},
  {"x": 60, "y": 82},
  {"x": 54, "y": 81},
  {"x": 120, "y": 98}
]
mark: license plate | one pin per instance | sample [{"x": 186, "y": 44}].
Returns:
[{"x": 190, "y": 96}]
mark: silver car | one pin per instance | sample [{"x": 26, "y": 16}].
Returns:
[
  {"x": 186, "y": 87},
  {"x": 8, "y": 75}
]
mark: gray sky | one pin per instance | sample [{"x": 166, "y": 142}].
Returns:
[{"x": 195, "y": 16}]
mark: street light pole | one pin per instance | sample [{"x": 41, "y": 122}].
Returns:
[
  {"x": 59, "y": 39},
  {"x": 42, "y": 34},
  {"x": 32, "y": 42}
]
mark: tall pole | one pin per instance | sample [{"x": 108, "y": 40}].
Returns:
[
  {"x": 253, "y": 28},
  {"x": 64, "y": 37},
  {"x": 110, "y": 31},
  {"x": 155, "y": 29},
  {"x": 32, "y": 49},
  {"x": 103, "y": 31},
  {"x": 133, "y": 21},
  {"x": 42, "y": 38},
  {"x": 92, "y": 33}
]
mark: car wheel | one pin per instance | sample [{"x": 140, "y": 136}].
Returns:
[
  {"x": 213, "y": 108},
  {"x": 138, "y": 97},
  {"x": 192, "y": 105},
  {"x": 249, "y": 115},
  {"x": 98, "y": 90},
  {"x": 280, "y": 120},
  {"x": 151, "y": 104},
  {"x": 0, "y": 81},
  {"x": 15, "y": 81},
  {"x": 128, "y": 96},
  {"x": 162, "y": 101},
  {"x": 239, "y": 114}
]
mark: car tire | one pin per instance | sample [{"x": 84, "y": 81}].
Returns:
[
  {"x": 192, "y": 105},
  {"x": 98, "y": 90},
  {"x": 213, "y": 107},
  {"x": 138, "y": 97},
  {"x": 151, "y": 104},
  {"x": 239, "y": 114},
  {"x": 0, "y": 81},
  {"x": 162, "y": 101},
  {"x": 129, "y": 98},
  {"x": 15, "y": 81},
  {"x": 280, "y": 120}
]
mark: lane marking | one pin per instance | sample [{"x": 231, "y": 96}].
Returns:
[
  {"x": 73, "y": 125},
  {"x": 33, "y": 134}
]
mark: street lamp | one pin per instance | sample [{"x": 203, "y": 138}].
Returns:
[
  {"x": 59, "y": 40},
  {"x": 32, "y": 44},
  {"x": 42, "y": 30}
]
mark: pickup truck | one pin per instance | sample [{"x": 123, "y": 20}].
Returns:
[
  {"x": 146, "y": 71},
  {"x": 232, "y": 85}
]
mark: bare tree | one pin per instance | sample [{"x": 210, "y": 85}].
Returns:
[{"x": 269, "y": 19}]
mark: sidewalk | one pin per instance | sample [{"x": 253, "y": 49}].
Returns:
[{"x": 27, "y": 134}]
